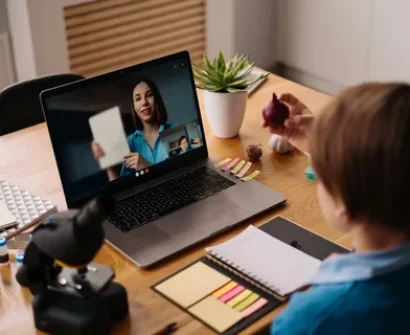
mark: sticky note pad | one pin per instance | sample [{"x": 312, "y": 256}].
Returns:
[
  {"x": 232, "y": 293},
  {"x": 241, "y": 296},
  {"x": 216, "y": 314},
  {"x": 225, "y": 289},
  {"x": 245, "y": 303},
  {"x": 192, "y": 284},
  {"x": 254, "y": 307}
]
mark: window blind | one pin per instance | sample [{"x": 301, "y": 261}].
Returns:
[{"x": 106, "y": 35}]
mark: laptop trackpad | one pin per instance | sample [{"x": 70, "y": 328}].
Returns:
[{"x": 203, "y": 218}]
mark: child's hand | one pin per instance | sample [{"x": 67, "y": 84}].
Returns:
[{"x": 298, "y": 125}]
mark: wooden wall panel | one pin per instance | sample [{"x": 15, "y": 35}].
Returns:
[{"x": 106, "y": 35}]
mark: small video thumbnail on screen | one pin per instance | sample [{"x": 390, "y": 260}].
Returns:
[{"x": 181, "y": 139}]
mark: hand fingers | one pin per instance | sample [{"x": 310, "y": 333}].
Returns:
[
  {"x": 299, "y": 121},
  {"x": 296, "y": 107},
  {"x": 130, "y": 154},
  {"x": 132, "y": 162}
]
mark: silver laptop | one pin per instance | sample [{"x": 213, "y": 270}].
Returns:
[{"x": 137, "y": 134}]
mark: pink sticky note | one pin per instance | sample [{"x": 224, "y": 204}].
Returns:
[
  {"x": 232, "y": 293},
  {"x": 254, "y": 307},
  {"x": 230, "y": 165}
]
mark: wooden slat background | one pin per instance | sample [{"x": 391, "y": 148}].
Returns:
[{"x": 105, "y": 35}]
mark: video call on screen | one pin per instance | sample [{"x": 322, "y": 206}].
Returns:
[{"x": 124, "y": 126}]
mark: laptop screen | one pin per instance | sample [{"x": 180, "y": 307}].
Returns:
[{"x": 126, "y": 127}]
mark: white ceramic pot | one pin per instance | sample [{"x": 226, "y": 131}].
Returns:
[{"x": 225, "y": 112}]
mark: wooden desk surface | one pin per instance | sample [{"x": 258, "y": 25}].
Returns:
[{"x": 27, "y": 159}]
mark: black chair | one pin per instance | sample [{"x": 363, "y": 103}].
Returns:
[{"x": 20, "y": 105}]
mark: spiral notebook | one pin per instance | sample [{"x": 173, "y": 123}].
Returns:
[
  {"x": 266, "y": 260},
  {"x": 246, "y": 277}
]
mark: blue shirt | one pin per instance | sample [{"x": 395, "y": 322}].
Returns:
[
  {"x": 353, "y": 294},
  {"x": 137, "y": 143}
]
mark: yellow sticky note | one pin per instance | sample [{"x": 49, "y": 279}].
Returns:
[
  {"x": 216, "y": 314},
  {"x": 225, "y": 289},
  {"x": 252, "y": 175},
  {"x": 245, "y": 303},
  {"x": 239, "y": 298},
  {"x": 238, "y": 167},
  {"x": 192, "y": 284},
  {"x": 223, "y": 162}
]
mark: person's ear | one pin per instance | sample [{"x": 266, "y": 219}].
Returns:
[{"x": 340, "y": 211}]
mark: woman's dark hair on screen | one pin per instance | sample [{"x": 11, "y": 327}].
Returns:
[
  {"x": 183, "y": 137},
  {"x": 161, "y": 112}
]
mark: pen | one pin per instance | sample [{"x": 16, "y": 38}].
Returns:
[{"x": 168, "y": 329}]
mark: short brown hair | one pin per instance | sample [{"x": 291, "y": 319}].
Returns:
[{"x": 361, "y": 152}]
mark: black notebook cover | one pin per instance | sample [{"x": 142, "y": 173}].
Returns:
[{"x": 287, "y": 232}]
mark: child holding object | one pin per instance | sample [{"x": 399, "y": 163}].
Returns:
[{"x": 360, "y": 151}]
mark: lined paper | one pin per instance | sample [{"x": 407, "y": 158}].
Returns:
[{"x": 270, "y": 262}]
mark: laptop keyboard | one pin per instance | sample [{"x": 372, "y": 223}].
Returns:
[{"x": 165, "y": 198}]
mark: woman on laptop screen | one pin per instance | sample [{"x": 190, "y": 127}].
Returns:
[
  {"x": 184, "y": 145},
  {"x": 150, "y": 118}
]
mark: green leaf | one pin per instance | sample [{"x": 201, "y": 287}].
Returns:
[
  {"x": 240, "y": 82},
  {"x": 221, "y": 62},
  {"x": 234, "y": 89}
]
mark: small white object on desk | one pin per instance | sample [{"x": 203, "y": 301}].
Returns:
[
  {"x": 279, "y": 144},
  {"x": 7, "y": 219}
]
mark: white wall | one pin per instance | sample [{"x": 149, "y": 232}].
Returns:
[
  {"x": 7, "y": 75},
  {"x": 329, "y": 44},
  {"x": 39, "y": 38},
  {"x": 243, "y": 26}
]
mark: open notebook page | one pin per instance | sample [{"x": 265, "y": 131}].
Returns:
[{"x": 274, "y": 264}]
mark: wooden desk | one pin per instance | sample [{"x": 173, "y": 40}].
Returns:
[{"x": 27, "y": 159}]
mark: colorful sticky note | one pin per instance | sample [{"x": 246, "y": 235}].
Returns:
[
  {"x": 238, "y": 167},
  {"x": 254, "y": 307},
  {"x": 245, "y": 303},
  {"x": 244, "y": 170},
  {"x": 230, "y": 165},
  {"x": 224, "y": 289},
  {"x": 223, "y": 162},
  {"x": 216, "y": 314},
  {"x": 251, "y": 176},
  {"x": 202, "y": 279},
  {"x": 232, "y": 293},
  {"x": 241, "y": 296}
]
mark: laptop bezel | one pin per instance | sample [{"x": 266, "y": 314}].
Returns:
[{"x": 157, "y": 170}]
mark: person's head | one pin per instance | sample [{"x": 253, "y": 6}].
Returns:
[
  {"x": 183, "y": 143},
  {"x": 360, "y": 151},
  {"x": 147, "y": 104}
]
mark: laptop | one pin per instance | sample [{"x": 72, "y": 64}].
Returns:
[{"x": 137, "y": 134}]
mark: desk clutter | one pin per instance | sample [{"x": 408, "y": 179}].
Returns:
[
  {"x": 244, "y": 278},
  {"x": 20, "y": 209},
  {"x": 237, "y": 168}
]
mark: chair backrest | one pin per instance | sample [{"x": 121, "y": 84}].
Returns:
[{"x": 20, "y": 105}]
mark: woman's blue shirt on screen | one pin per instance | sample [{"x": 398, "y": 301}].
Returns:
[{"x": 137, "y": 143}]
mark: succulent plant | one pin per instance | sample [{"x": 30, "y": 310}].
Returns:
[{"x": 219, "y": 76}]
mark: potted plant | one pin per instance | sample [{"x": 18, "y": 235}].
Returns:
[{"x": 224, "y": 88}]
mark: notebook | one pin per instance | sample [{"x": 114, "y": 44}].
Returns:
[
  {"x": 246, "y": 277},
  {"x": 251, "y": 89},
  {"x": 108, "y": 132},
  {"x": 266, "y": 260},
  {"x": 26, "y": 208}
]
